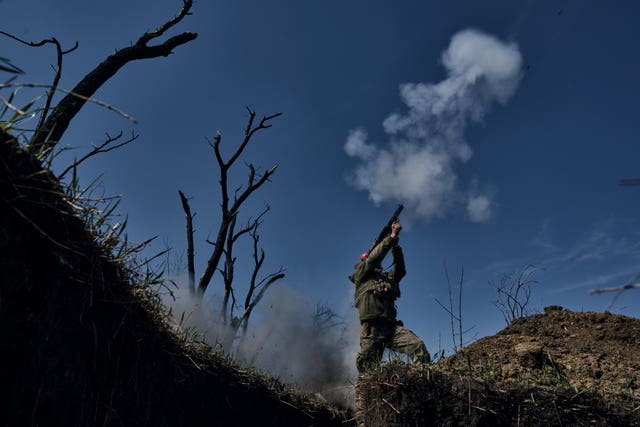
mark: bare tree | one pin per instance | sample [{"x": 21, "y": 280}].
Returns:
[
  {"x": 325, "y": 318},
  {"x": 456, "y": 319},
  {"x": 514, "y": 293},
  {"x": 231, "y": 206},
  {"x": 228, "y": 235}
]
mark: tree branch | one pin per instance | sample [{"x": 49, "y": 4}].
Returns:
[
  {"x": 239, "y": 199},
  {"x": 249, "y": 132},
  {"x": 244, "y": 320},
  {"x": 228, "y": 272},
  {"x": 57, "y": 123},
  {"x": 190, "y": 263},
  {"x": 58, "y": 69},
  {"x": 102, "y": 148},
  {"x": 229, "y": 264}
]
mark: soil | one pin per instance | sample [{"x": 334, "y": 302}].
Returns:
[
  {"x": 556, "y": 368},
  {"x": 596, "y": 352}
]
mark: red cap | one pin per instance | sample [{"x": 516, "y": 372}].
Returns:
[{"x": 364, "y": 256}]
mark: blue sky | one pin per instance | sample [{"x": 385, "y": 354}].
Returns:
[{"x": 539, "y": 140}]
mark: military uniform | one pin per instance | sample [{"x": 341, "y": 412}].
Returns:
[{"x": 375, "y": 295}]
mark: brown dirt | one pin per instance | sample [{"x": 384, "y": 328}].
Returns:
[
  {"x": 557, "y": 368},
  {"x": 596, "y": 352},
  {"x": 83, "y": 344}
]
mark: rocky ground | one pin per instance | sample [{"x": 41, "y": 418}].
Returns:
[{"x": 595, "y": 352}]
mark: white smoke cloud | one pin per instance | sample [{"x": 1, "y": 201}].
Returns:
[
  {"x": 426, "y": 143},
  {"x": 283, "y": 340}
]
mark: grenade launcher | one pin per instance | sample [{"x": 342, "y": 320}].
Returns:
[{"x": 386, "y": 230}]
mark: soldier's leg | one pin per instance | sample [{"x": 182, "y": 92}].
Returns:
[
  {"x": 405, "y": 341},
  {"x": 371, "y": 347}
]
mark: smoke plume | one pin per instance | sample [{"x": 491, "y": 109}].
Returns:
[
  {"x": 426, "y": 143},
  {"x": 288, "y": 338}
]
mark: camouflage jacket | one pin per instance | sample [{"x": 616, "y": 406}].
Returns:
[{"x": 377, "y": 290}]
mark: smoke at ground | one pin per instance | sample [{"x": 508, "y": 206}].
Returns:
[
  {"x": 286, "y": 338},
  {"x": 426, "y": 144}
]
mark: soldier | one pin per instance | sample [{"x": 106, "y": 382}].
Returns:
[{"x": 375, "y": 295}]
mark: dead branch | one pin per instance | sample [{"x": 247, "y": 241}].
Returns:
[
  {"x": 251, "y": 301},
  {"x": 258, "y": 260},
  {"x": 102, "y": 148},
  {"x": 228, "y": 208},
  {"x": 249, "y": 132},
  {"x": 514, "y": 293},
  {"x": 244, "y": 320},
  {"x": 229, "y": 265},
  {"x": 325, "y": 318},
  {"x": 228, "y": 271},
  {"x": 451, "y": 316},
  {"x": 190, "y": 263},
  {"x": 58, "y": 69},
  {"x": 57, "y": 123}
]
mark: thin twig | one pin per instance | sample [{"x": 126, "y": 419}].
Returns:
[
  {"x": 58, "y": 69},
  {"x": 391, "y": 406},
  {"x": 239, "y": 198},
  {"x": 451, "y": 316},
  {"x": 58, "y": 122},
  {"x": 102, "y": 148}
]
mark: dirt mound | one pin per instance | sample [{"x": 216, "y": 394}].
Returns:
[
  {"x": 84, "y": 344},
  {"x": 597, "y": 352},
  {"x": 556, "y": 368}
]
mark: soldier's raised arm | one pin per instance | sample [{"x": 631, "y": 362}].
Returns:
[
  {"x": 399, "y": 270},
  {"x": 373, "y": 259}
]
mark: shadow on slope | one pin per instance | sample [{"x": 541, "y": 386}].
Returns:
[{"x": 82, "y": 344}]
